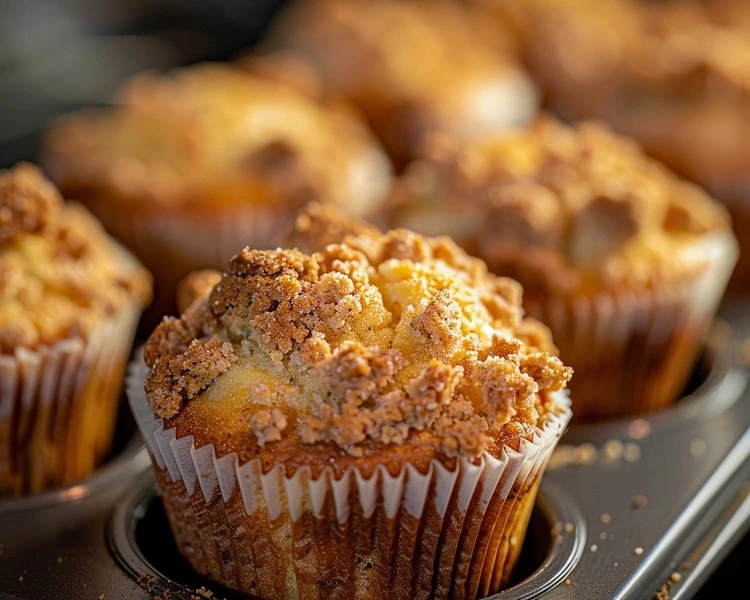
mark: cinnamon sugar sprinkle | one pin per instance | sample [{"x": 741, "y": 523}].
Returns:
[{"x": 379, "y": 339}]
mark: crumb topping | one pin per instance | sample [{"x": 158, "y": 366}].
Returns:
[
  {"x": 60, "y": 274},
  {"x": 561, "y": 208},
  {"x": 28, "y": 202},
  {"x": 380, "y": 339},
  {"x": 213, "y": 134}
]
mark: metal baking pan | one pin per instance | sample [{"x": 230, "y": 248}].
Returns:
[{"x": 627, "y": 508}]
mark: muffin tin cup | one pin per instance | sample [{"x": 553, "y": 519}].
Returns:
[
  {"x": 736, "y": 198},
  {"x": 413, "y": 535},
  {"x": 58, "y": 406},
  {"x": 640, "y": 345},
  {"x": 173, "y": 241}
]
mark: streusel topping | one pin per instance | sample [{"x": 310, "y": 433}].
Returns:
[
  {"x": 560, "y": 207},
  {"x": 380, "y": 339},
  {"x": 60, "y": 274},
  {"x": 213, "y": 134}
]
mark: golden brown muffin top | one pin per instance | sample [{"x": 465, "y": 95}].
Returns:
[
  {"x": 215, "y": 134},
  {"x": 414, "y": 67},
  {"x": 380, "y": 341},
  {"x": 60, "y": 274},
  {"x": 561, "y": 208}
]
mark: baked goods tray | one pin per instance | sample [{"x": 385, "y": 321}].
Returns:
[{"x": 627, "y": 508}]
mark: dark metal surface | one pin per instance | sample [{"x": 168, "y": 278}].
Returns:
[{"x": 589, "y": 538}]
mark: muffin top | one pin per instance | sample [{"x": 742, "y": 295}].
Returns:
[
  {"x": 414, "y": 67},
  {"x": 382, "y": 345},
  {"x": 216, "y": 134},
  {"x": 561, "y": 208},
  {"x": 60, "y": 274},
  {"x": 674, "y": 74}
]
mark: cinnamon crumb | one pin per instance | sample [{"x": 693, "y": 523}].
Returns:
[
  {"x": 28, "y": 202},
  {"x": 268, "y": 425}
]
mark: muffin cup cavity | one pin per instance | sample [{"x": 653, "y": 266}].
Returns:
[
  {"x": 58, "y": 406},
  {"x": 412, "y": 535},
  {"x": 640, "y": 346}
]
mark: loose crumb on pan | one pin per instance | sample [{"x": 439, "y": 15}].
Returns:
[
  {"x": 639, "y": 501},
  {"x": 638, "y": 550},
  {"x": 375, "y": 339},
  {"x": 663, "y": 593},
  {"x": 605, "y": 518}
]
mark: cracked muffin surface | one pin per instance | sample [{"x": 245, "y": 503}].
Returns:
[
  {"x": 381, "y": 345},
  {"x": 60, "y": 273}
]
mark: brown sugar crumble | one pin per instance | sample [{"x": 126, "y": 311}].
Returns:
[
  {"x": 375, "y": 340},
  {"x": 28, "y": 202},
  {"x": 559, "y": 207}
]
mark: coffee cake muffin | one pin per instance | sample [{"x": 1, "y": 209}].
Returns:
[
  {"x": 189, "y": 165},
  {"x": 672, "y": 74},
  {"x": 368, "y": 421},
  {"x": 623, "y": 260},
  {"x": 70, "y": 299},
  {"x": 414, "y": 68}
]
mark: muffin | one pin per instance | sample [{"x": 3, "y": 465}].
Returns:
[
  {"x": 414, "y": 68},
  {"x": 190, "y": 165},
  {"x": 368, "y": 421},
  {"x": 70, "y": 299},
  {"x": 672, "y": 74},
  {"x": 623, "y": 260}
]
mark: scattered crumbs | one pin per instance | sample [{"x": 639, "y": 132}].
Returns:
[
  {"x": 697, "y": 447},
  {"x": 569, "y": 527},
  {"x": 101, "y": 596},
  {"x": 594, "y": 547},
  {"x": 675, "y": 577},
  {"x": 603, "y": 535},
  {"x": 20, "y": 578},
  {"x": 556, "y": 530},
  {"x": 59, "y": 560},
  {"x": 566, "y": 455},
  {"x": 568, "y": 581},
  {"x": 663, "y": 593},
  {"x": 639, "y": 429},
  {"x": 605, "y": 518},
  {"x": 616, "y": 564},
  {"x": 147, "y": 582},
  {"x": 612, "y": 451},
  {"x": 204, "y": 593},
  {"x": 639, "y": 501},
  {"x": 638, "y": 550},
  {"x": 631, "y": 452}
]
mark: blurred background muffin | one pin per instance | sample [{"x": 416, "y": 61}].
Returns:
[
  {"x": 381, "y": 404},
  {"x": 623, "y": 260},
  {"x": 70, "y": 300},
  {"x": 187, "y": 166},
  {"x": 673, "y": 74},
  {"x": 414, "y": 68}
]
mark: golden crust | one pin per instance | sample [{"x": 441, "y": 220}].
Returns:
[
  {"x": 415, "y": 68},
  {"x": 61, "y": 275},
  {"x": 379, "y": 340},
  {"x": 674, "y": 75},
  {"x": 560, "y": 208},
  {"x": 214, "y": 134}
]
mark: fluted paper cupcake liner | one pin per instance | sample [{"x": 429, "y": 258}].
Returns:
[
  {"x": 172, "y": 242},
  {"x": 58, "y": 406},
  {"x": 639, "y": 346},
  {"x": 443, "y": 533}
]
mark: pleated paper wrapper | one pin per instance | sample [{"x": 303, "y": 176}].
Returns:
[
  {"x": 172, "y": 242},
  {"x": 638, "y": 347},
  {"x": 58, "y": 406},
  {"x": 445, "y": 533}
]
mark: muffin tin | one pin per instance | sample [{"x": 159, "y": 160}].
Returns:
[{"x": 626, "y": 507}]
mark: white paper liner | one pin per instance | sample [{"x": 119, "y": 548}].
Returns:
[
  {"x": 639, "y": 347},
  {"x": 58, "y": 405},
  {"x": 447, "y": 508}
]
